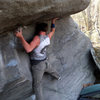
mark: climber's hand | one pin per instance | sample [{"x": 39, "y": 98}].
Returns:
[
  {"x": 54, "y": 20},
  {"x": 18, "y": 33}
]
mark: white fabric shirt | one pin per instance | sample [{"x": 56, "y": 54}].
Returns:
[{"x": 39, "y": 53}]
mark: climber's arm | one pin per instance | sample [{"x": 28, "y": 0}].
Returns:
[
  {"x": 52, "y": 28},
  {"x": 28, "y": 47}
]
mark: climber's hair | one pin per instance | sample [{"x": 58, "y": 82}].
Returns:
[{"x": 40, "y": 27}]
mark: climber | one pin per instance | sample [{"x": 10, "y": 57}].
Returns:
[{"x": 37, "y": 51}]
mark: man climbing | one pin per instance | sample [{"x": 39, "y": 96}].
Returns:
[{"x": 37, "y": 51}]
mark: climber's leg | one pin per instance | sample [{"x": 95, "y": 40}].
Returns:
[
  {"x": 38, "y": 71},
  {"x": 52, "y": 71}
]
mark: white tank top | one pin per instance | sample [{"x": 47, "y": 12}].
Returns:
[{"x": 39, "y": 53}]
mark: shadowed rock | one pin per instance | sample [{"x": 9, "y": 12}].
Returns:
[
  {"x": 96, "y": 56},
  {"x": 24, "y": 12}
]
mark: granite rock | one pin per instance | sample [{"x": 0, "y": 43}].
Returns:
[
  {"x": 23, "y": 12},
  {"x": 69, "y": 51}
]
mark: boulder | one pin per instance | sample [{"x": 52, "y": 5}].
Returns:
[
  {"x": 24, "y": 12},
  {"x": 69, "y": 51},
  {"x": 70, "y": 55},
  {"x": 15, "y": 76}
]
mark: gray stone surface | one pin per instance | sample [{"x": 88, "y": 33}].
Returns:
[
  {"x": 70, "y": 54},
  {"x": 15, "y": 77},
  {"x": 69, "y": 51},
  {"x": 14, "y": 12},
  {"x": 31, "y": 98}
]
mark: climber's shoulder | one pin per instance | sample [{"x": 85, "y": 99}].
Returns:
[{"x": 36, "y": 39}]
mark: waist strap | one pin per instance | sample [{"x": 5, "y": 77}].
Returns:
[{"x": 35, "y": 62}]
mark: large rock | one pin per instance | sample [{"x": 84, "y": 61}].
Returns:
[
  {"x": 23, "y": 12},
  {"x": 15, "y": 76},
  {"x": 69, "y": 52},
  {"x": 70, "y": 55}
]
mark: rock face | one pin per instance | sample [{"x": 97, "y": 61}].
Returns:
[
  {"x": 96, "y": 56},
  {"x": 27, "y": 11},
  {"x": 70, "y": 55},
  {"x": 15, "y": 75},
  {"x": 69, "y": 51}
]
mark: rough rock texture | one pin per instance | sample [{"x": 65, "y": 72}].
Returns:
[
  {"x": 15, "y": 75},
  {"x": 14, "y": 12},
  {"x": 95, "y": 52},
  {"x": 69, "y": 52},
  {"x": 96, "y": 56}
]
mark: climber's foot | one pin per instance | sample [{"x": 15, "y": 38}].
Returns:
[{"x": 59, "y": 78}]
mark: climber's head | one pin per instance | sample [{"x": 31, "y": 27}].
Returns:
[{"x": 41, "y": 27}]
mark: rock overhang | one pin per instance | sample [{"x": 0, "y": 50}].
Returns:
[{"x": 24, "y": 12}]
